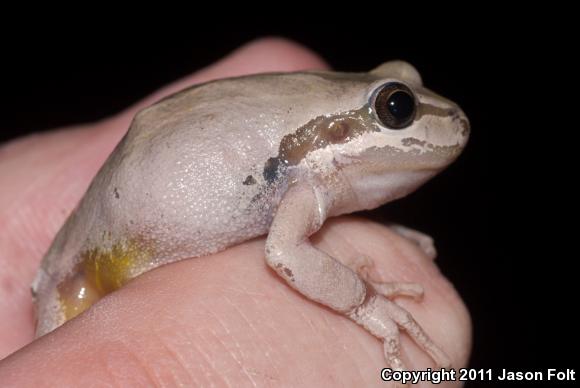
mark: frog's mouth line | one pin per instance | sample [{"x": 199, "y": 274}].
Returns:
[{"x": 389, "y": 158}]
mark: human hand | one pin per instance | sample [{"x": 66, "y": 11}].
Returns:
[{"x": 224, "y": 319}]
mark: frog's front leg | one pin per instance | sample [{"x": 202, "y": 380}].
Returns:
[
  {"x": 310, "y": 271},
  {"x": 323, "y": 279}
]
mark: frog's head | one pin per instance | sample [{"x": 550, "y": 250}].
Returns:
[
  {"x": 401, "y": 136},
  {"x": 417, "y": 128}
]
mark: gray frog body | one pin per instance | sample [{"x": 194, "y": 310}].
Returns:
[{"x": 229, "y": 160}]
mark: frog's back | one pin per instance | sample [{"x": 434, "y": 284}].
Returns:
[
  {"x": 200, "y": 169},
  {"x": 197, "y": 172}
]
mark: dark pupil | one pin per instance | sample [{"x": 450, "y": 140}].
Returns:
[
  {"x": 395, "y": 106},
  {"x": 401, "y": 105}
]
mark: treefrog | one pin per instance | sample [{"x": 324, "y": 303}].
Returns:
[{"x": 229, "y": 160}]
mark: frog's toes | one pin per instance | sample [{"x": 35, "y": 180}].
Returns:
[
  {"x": 392, "y": 345},
  {"x": 422, "y": 240},
  {"x": 364, "y": 266},
  {"x": 393, "y": 289},
  {"x": 382, "y": 318}
]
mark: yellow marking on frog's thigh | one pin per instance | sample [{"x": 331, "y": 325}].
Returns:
[
  {"x": 100, "y": 272},
  {"x": 110, "y": 269},
  {"x": 76, "y": 295}
]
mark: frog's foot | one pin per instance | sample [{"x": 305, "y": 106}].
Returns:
[
  {"x": 394, "y": 289},
  {"x": 365, "y": 268},
  {"x": 422, "y": 240},
  {"x": 382, "y": 318}
]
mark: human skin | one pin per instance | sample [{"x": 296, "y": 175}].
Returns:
[{"x": 225, "y": 319}]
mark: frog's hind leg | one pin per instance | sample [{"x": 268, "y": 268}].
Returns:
[
  {"x": 98, "y": 272},
  {"x": 58, "y": 302},
  {"x": 48, "y": 313}
]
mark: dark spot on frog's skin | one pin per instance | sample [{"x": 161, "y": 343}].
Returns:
[
  {"x": 273, "y": 169},
  {"x": 250, "y": 180},
  {"x": 409, "y": 141},
  {"x": 116, "y": 192},
  {"x": 464, "y": 126},
  {"x": 287, "y": 271}
]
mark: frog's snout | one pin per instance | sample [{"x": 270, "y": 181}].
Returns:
[{"x": 462, "y": 123}]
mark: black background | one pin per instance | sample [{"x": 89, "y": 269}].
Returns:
[{"x": 502, "y": 216}]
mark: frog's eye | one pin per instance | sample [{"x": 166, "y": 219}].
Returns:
[{"x": 395, "y": 105}]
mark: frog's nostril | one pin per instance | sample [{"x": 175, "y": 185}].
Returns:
[
  {"x": 454, "y": 112},
  {"x": 465, "y": 127},
  {"x": 457, "y": 116}
]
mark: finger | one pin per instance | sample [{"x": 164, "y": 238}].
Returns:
[
  {"x": 44, "y": 176},
  {"x": 228, "y": 318}
]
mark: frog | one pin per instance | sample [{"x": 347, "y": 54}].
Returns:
[{"x": 273, "y": 154}]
